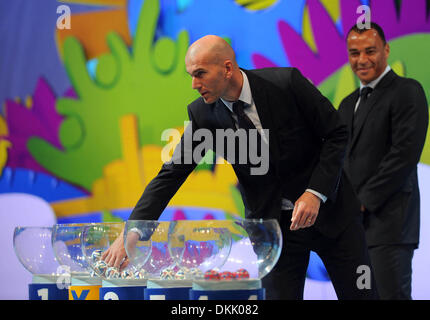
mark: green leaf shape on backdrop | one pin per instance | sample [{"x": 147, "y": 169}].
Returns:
[{"x": 156, "y": 89}]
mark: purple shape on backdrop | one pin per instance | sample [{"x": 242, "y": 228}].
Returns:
[
  {"x": 18, "y": 209},
  {"x": 44, "y": 102},
  {"x": 413, "y": 17},
  {"x": 331, "y": 45},
  {"x": 261, "y": 61},
  {"x": 70, "y": 93},
  {"x": 41, "y": 120},
  {"x": 348, "y": 12}
]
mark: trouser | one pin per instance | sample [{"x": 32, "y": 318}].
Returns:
[
  {"x": 345, "y": 257},
  {"x": 392, "y": 265}
]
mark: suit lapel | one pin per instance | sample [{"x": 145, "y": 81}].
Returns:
[
  {"x": 261, "y": 97},
  {"x": 349, "y": 111},
  {"x": 349, "y": 117},
  {"x": 371, "y": 101}
]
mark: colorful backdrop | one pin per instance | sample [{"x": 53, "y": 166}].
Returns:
[{"x": 83, "y": 109}]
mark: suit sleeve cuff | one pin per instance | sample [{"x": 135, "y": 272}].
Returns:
[{"x": 319, "y": 195}]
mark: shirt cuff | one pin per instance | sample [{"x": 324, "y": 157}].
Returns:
[
  {"x": 319, "y": 195},
  {"x": 140, "y": 233}
]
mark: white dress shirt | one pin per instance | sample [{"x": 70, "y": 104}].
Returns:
[{"x": 372, "y": 84}]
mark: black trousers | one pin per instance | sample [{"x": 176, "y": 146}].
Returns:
[
  {"x": 392, "y": 265},
  {"x": 343, "y": 257}
]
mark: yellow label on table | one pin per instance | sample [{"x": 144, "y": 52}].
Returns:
[{"x": 84, "y": 292}]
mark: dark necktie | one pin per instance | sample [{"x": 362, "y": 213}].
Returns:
[
  {"x": 242, "y": 119},
  {"x": 364, "y": 93},
  {"x": 245, "y": 123}
]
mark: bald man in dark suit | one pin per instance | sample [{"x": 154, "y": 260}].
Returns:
[{"x": 303, "y": 187}]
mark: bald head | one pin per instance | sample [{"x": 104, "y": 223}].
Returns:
[
  {"x": 213, "y": 49},
  {"x": 212, "y": 65}
]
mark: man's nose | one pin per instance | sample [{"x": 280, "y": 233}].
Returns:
[
  {"x": 362, "y": 58},
  {"x": 195, "y": 83}
]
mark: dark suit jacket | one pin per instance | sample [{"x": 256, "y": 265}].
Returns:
[
  {"x": 307, "y": 149},
  {"x": 382, "y": 158}
]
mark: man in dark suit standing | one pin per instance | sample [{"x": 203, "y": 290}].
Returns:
[
  {"x": 387, "y": 119},
  {"x": 307, "y": 144}
]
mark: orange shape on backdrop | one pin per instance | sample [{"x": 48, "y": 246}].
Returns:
[{"x": 91, "y": 29}]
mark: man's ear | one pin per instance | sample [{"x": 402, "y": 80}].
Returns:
[
  {"x": 228, "y": 67},
  {"x": 387, "y": 50}
]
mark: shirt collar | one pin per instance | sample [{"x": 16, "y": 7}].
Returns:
[
  {"x": 245, "y": 94},
  {"x": 373, "y": 83}
]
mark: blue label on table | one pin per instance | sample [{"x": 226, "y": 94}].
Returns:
[
  {"x": 46, "y": 291},
  {"x": 122, "y": 293},
  {"x": 167, "y": 293},
  {"x": 254, "y": 294}
]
